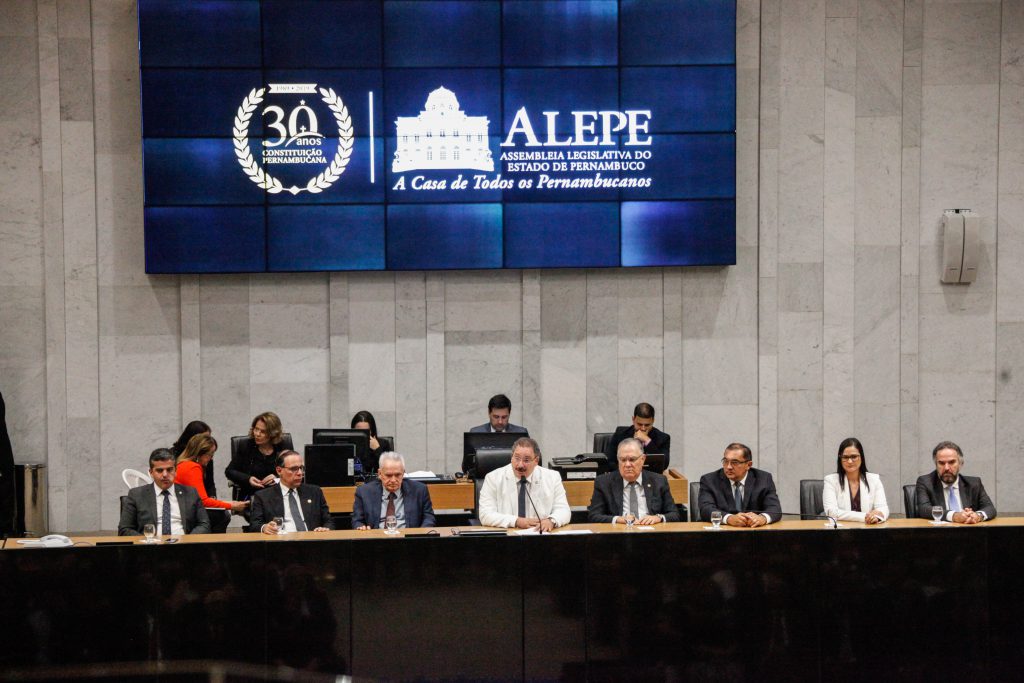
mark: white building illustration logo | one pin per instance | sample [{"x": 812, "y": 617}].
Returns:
[{"x": 442, "y": 137}]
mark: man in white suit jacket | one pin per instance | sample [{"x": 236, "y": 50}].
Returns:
[{"x": 522, "y": 494}]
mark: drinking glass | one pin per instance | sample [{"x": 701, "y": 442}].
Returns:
[
  {"x": 149, "y": 531},
  {"x": 630, "y": 521},
  {"x": 279, "y": 521},
  {"x": 716, "y": 520},
  {"x": 391, "y": 525},
  {"x": 936, "y": 513}
]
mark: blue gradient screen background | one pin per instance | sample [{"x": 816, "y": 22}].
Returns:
[{"x": 675, "y": 58}]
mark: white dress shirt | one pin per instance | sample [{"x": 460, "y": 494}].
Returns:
[
  {"x": 836, "y": 500},
  {"x": 177, "y": 528},
  {"x": 641, "y": 499},
  {"x": 743, "y": 493},
  {"x": 959, "y": 499},
  {"x": 499, "y": 497},
  {"x": 289, "y": 522}
]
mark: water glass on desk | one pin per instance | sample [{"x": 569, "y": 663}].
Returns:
[
  {"x": 630, "y": 521},
  {"x": 149, "y": 531},
  {"x": 391, "y": 525},
  {"x": 936, "y": 513},
  {"x": 279, "y": 523},
  {"x": 716, "y": 520}
]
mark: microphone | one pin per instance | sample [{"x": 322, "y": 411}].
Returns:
[
  {"x": 834, "y": 521},
  {"x": 532, "y": 504}
]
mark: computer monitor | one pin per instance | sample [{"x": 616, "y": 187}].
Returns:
[
  {"x": 655, "y": 462},
  {"x": 474, "y": 441},
  {"x": 330, "y": 464},
  {"x": 358, "y": 438}
]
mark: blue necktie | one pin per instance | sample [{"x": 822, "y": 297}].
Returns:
[
  {"x": 165, "y": 523},
  {"x": 954, "y": 504},
  {"x": 738, "y": 493}
]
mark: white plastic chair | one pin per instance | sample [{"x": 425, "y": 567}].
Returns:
[{"x": 133, "y": 478}]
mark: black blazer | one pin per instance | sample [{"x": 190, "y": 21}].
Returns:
[
  {"x": 269, "y": 503},
  {"x": 139, "y": 509},
  {"x": 660, "y": 443},
  {"x": 972, "y": 494},
  {"x": 758, "y": 495},
  {"x": 606, "y": 503}
]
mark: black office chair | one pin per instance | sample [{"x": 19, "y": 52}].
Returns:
[
  {"x": 487, "y": 461},
  {"x": 810, "y": 497},
  {"x": 601, "y": 440},
  {"x": 692, "y": 503},
  {"x": 388, "y": 442},
  {"x": 239, "y": 444},
  {"x": 910, "y": 501}
]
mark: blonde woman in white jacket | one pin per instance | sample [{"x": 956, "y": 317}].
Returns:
[{"x": 853, "y": 494}]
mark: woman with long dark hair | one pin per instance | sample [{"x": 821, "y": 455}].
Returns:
[{"x": 852, "y": 493}]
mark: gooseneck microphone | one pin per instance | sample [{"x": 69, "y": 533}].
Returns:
[
  {"x": 834, "y": 522},
  {"x": 524, "y": 483}
]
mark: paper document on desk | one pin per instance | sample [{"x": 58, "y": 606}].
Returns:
[
  {"x": 421, "y": 474},
  {"x": 534, "y": 531}
]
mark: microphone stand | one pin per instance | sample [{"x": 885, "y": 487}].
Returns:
[{"x": 540, "y": 529}]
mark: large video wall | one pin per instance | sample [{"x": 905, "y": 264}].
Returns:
[{"x": 291, "y": 135}]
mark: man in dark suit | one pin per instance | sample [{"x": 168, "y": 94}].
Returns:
[
  {"x": 631, "y": 491},
  {"x": 643, "y": 430},
  {"x": 392, "y": 495},
  {"x": 963, "y": 499},
  {"x": 743, "y": 494},
  {"x": 498, "y": 410},
  {"x": 301, "y": 506},
  {"x": 174, "y": 509}
]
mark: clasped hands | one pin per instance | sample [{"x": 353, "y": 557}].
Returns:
[
  {"x": 262, "y": 483},
  {"x": 748, "y": 519},
  {"x": 646, "y": 520},
  {"x": 544, "y": 525},
  {"x": 271, "y": 528},
  {"x": 968, "y": 516}
]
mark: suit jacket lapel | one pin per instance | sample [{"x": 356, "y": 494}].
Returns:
[
  {"x": 938, "y": 493},
  {"x": 179, "y": 496},
  {"x": 410, "y": 507},
  {"x": 617, "y": 483},
  {"x": 148, "y": 506},
  {"x": 650, "y": 494}
]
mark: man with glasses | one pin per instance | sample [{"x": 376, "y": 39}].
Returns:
[
  {"x": 392, "y": 495},
  {"x": 301, "y": 506},
  {"x": 632, "y": 492},
  {"x": 743, "y": 494},
  {"x": 522, "y": 494}
]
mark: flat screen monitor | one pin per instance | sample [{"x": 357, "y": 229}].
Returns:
[
  {"x": 474, "y": 441},
  {"x": 390, "y": 135},
  {"x": 330, "y": 464},
  {"x": 655, "y": 462},
  {"x": 357, "y": 438}
]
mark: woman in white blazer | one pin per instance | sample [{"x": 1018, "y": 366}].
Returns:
[{"x": 852, "y": 493}]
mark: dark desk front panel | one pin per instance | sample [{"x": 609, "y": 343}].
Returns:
[{"x": 895, "y": 604}]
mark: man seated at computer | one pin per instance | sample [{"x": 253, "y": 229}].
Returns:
[
  {"x": 172, "y": 509},
  {"x": 643, "y": 430},
  {"x": 630, "y": 491},
  {"x": 301, "y": 506},
  {"x": 499, "y": 408},
  {"x": 522, "y": 494},
  {"x": 392, "y": 495}
]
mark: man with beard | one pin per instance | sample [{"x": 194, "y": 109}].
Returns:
[
  {"x": 522, "y": 494},
  {"x": 963, "y": 499}
]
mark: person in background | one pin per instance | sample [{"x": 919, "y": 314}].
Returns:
[
  {"x": 853, "y": 493},
  {"x": 173, "y": 509},
  {"x": 191, "y": 429},
  {"x": 643, "y": 430},
  {"x": 191, "y": 464},
  {"x": 364, "y": 420},
  {"x": 499, "y": 408},
  {"x": 252, "y": 469}
]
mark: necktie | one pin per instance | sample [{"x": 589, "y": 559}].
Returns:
[
  {"x": 634, "y": 503},
  {"x": 293, "y": 505},
  {"x": 391, "y": 506},
  {"x": 954, "y": 503},
  {"x": 165, "y": 523},
  {"x": 738, "y": 494},
  {"x": 522, "y": 497}
]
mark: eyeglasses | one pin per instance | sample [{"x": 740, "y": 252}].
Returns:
[
  {"x": 849, "y": 458},
  {"x": 631, "y": 460},
  {"x": 524, "y": 461},
  {"x": 296, "y": 468},
  {"x": 734, "y": 463}
]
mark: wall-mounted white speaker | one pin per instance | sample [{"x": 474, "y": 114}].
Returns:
[{"x": 960, "y": 246}]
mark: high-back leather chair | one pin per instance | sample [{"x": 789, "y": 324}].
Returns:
[
  {"x": 487, "y": 460},
  {"x": 692, "y": 503},
  {"x": 811, "y": 491},
  {"x": 601, "y": 440},
  {"x": 910, "y": 500}
]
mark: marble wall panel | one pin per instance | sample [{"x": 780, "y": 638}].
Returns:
[
  {"x": 224, "y": 355},
  {"x": 876, "y": 350},
  {"x": 877, "y": 425},
  {"x": 801, "y": 204},
  {"x": 768, "y": 411},
  {"x": 800, "y": 444},
  {"x": 411, "y": 371},
  {"x": 532, "y": 409},
  {"x": 800, "y": 357},
  {"x": 709, "y": 429},
  {"x": 563, "y": 364},
  {"x": 673, "y": 363},
  {"x": 640, "y": 338},
  {"x": 1008, "y": 486},
  {"x": 337, "y": 292},
  {"x": 85, "y": 477},
  {"x": 878, "y": 168},
  {"x": 721, "y": 302},
  {"x": 771, "y": 77},
  {"x": 913, "y": 32},
  {"x": 879, "y": 57},
  {"x": 481, "y": 301},
  {"x": 191, "y": 363},
  {"x": 115, "y": 28},
  {"x": 961, "y": 42},
  {"x": 602, "y": 352},
  {"x": 911, "y": 117},
  {"x": 800, "y": 287},
  {"x": 841, "y": 8},
  {"x": 1009, "y": 361},
  {"x": 435, "y": 359},
  {"x": 371, "y": 342},
  {"x": 1010, "y": 282},
  {"x": 971, "y": 424},
  {"x": 23, "y": 370},
  {"x": 957, "y": 346}
]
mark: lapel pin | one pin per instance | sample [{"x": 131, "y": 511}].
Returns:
[{"x": 309, "y": 501}]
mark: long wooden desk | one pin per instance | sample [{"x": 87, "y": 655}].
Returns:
[
  {"x": 460, "y": 496},
  {"x": 809, "y": 603}
]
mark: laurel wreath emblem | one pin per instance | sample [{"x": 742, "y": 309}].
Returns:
[{"x": 271, "y": 184}]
